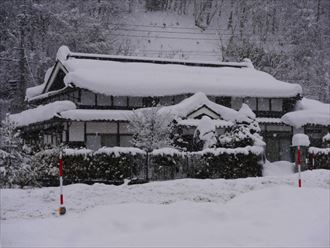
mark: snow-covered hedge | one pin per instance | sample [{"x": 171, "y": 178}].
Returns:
[
  {"x": 168, "y": 163},
  {"x": 319, "y": 158},
  {"x": 113, "y": 165},
  {"x": 227, "y": 163}
]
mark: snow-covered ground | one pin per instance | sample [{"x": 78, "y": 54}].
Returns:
[
  {"x": 265, "y": 211},
  {"x": 261, "y": 211}
]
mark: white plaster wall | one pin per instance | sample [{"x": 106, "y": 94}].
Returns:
[{"x": 76, "y": 131}]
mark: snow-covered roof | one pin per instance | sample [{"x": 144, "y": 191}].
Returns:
[
  {"x": 41, "y": 113},
  {"x": 188, "y": 105},
  {"x": 37, "y": 90},
  {"x": 269, "y": 120},
  {"x": 308, "y": 111},
  {"x": 96, "y": 114},
  {"x": 135, "y": 76},
  {"x": 195, "y": 122}
]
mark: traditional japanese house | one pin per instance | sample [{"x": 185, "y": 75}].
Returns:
[{"x": 86, "y": 99}]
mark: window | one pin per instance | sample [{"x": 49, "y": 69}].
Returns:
[
  {"x": 87, "y": 98},
  {"x": 120, "y": 101},
  {"x": 263, "y": 104},
  {"x": 125, "y": 140},
  {"x": 277, "y": 105},
  {"x": 109, "y": 140},
  {"x": 236, "y": 103},
  {"x": 252, "y": 102},
  {"x": 103, "y": 100},
  {"x": 93, "y": 141},
  {"x": 135, "y": 102}
]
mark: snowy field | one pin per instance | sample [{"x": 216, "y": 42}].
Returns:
[{"x": 268, "y": 211}]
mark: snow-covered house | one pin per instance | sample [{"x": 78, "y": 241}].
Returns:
[{"x": 86, "y": 99}]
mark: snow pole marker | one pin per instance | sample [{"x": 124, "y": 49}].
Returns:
[
  {"x": 299, "y": 167},
  {"x": 61, "y": 210}
]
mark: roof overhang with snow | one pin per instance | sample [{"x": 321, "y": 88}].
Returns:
[{"x": 308, "y": 112}]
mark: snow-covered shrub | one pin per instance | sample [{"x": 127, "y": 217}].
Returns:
[
  {"x": 244, "y": 132},
  {"x": 205, "y": 134},
  {"x": 167, "y": 163}
]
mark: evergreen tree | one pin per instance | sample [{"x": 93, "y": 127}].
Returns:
[{"x": 15, "y": 157}]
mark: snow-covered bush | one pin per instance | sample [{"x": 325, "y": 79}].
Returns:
[
  {"x": 244, "y": 132},
  {"x": 15, "y": 157},
  {"x": 205, "y": 134}
]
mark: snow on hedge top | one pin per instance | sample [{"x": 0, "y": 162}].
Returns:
[
  {"x": 300, "y": 139},
  {"x": 188, "y": 105},
  {"x": 117, "y": 151},
  {"x": 151, "y": 79},
  {"x": 41, "y": 113},
  {"x": 308, "y": 111}
]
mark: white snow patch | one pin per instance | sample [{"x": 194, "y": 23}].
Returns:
[
  {"x": 300, "y": 139},
  {"x": 41, "y": 113},
  {"x": 278, "y": 168}
]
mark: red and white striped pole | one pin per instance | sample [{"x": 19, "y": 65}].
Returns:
[
  {"x": 299, "y": 166},
  {"x": 61, "y": 209}
]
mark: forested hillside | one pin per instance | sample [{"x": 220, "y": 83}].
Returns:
[{"x": 290, "y": 39}]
